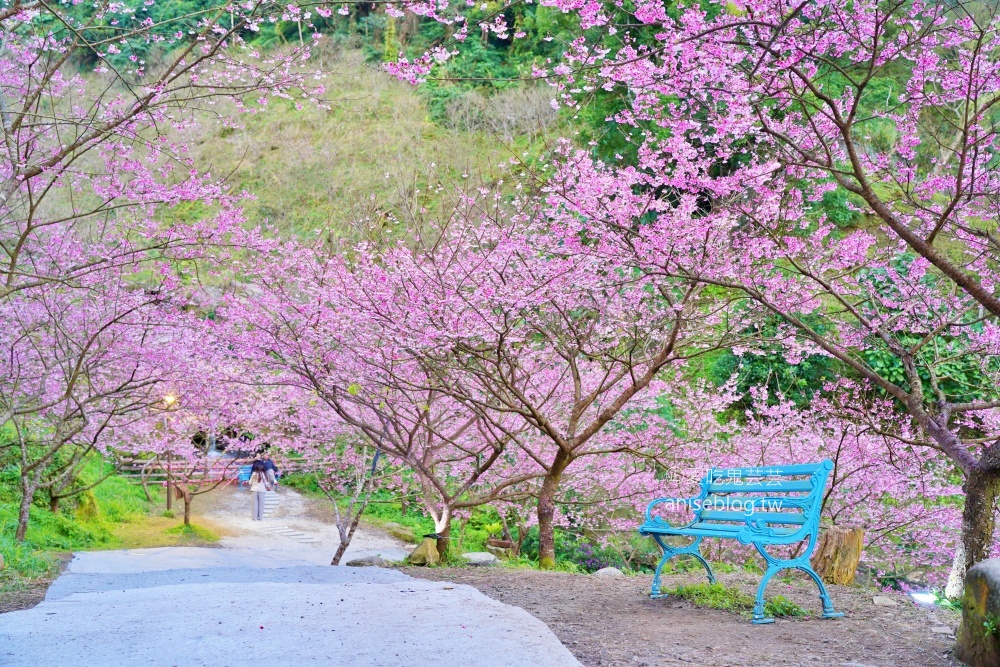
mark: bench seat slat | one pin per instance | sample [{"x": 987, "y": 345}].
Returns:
[
  {"x": 705, "y": 530},
  {"x": 729, "y": 502},
  {"x": 742, "y": 517},
  {"x": 734, "y": 530},
  {"x": 770, "y": 486}
]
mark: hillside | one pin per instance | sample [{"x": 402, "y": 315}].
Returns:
[{"x": 372, "y": 159}]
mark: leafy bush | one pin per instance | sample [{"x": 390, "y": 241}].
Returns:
[
  {"x": 717, "y": 596},
  {"x": 576, "y": 550}
]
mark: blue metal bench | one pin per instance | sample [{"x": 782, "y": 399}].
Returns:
[
  {"x": 244, "y": 475},
  {"x": 770, "y": 505}
]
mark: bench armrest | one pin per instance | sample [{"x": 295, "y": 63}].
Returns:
[{"x": 694, "y": 503}]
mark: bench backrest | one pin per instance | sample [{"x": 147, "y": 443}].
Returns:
[
  {"x": 244, "y": 475},
  {"x": 774, "y": 504}
]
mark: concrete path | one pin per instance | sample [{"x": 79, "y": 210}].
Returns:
[
  {"x": 291, "y": 529},
  {"x": 191, "y": 606}
]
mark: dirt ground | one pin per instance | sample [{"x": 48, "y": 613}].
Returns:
[{"x": 612, "y": 621}]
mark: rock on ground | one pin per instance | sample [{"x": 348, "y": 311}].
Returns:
[
  {"x": 222, "y": 607},
  {"x": 425, "y": 554},
  {"x": 479, "y": 558},
  {"x": 609, "y": 572},
  {"x": 370, "y": 561},
  {"x": 883, "y": 601}
]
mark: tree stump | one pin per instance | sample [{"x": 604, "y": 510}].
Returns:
[{"x": 838, "y": 553}]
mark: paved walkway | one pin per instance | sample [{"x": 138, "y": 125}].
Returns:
[
  {"x": 291, "y": 529},
  {"x": 192, "y": 606},
  {"x": 180, "y": 606}
]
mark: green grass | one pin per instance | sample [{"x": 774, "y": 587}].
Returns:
[
  {"x": 374, "y": 165},
  {"x": 717, "y": 596},
  {"x": 108, "y": 516},
  {"x": 193, "y": 531}
]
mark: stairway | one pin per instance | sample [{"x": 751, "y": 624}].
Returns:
[
  {"x": 270, "y": 503},
  {"x": 292, "y": 534}
]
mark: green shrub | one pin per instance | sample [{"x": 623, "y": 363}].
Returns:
[
  {"x": 717, "y": 596},
  {"x": 779, "y": 605}
]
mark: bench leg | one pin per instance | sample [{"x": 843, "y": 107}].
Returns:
[
  {"x": 773, "y": 567},
  {"x": 654, "y": 592},
  {"x": 828, "y": 611},
  {"x": 758, "y": 608},
  {"x": 693, "y": 549}
]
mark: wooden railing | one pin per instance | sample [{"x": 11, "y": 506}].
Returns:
[{"x": 154, "y": 470}]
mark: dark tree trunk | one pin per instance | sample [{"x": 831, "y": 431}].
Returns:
[
  {"x": 188, "y": 499},
  {"x": 444, "y": 537},
  {"x": 345, "y": 541},
  {"x": 547, "y": 513},
  {"x": 54, "y": 504},
  {"x": 170, "y": 495},
  {"x": 979, "y": 518},
  {"x": 24, "y": 512},
  {"x": 340, "y": 552}
]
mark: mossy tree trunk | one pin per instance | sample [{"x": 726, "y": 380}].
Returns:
[{"x": 547, "y": 512}]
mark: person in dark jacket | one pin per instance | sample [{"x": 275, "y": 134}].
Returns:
[{"x": 270, "y": 470}]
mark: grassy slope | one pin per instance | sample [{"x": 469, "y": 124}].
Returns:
[
  {"x": 114, "y": 515},
  {"x": 373, "y": 157}
]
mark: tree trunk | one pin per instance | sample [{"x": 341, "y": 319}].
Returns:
[
  {"x": 444, "y": 537},
  {"x": 979, "y": 518},
  {"x": 54, "y": 504},
  {"x": 340, "y": 552},
  {"x": 24, "y": 513},
  {"x": 188, "y": 498},
  {"x": 170, "y": 495},
  {"x": 345, "y": 539},
  {"x": 838, "y": 553},
  {"x": 547, "y": 513}
]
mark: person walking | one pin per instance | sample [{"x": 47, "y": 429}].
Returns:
[
  {"x": 270, "y": 470},
  {"x": 258, "y": 487}
]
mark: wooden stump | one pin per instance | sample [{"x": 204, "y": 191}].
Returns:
[{"x": 838, "y": 553}]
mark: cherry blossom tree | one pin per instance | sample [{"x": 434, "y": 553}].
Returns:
[
  {"x": 92, "y": 265},
  {"x": 311, "y": 328},
  {"x": 510, "y": 319},
  {"x": 76, "y": 363},
  {"x": 89, "y": 158},
  {"x": 347, "y": 473},
  {"x": 763, "y": 125}
]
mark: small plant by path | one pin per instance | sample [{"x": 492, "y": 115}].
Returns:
[
  {"x": 193, "y": 532},
  {"x": 718, "y": 596}
]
